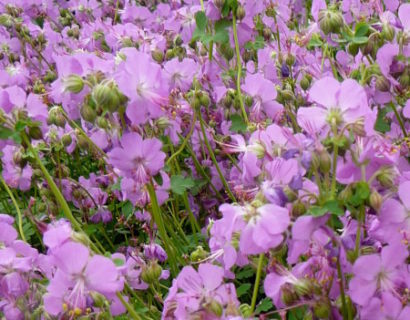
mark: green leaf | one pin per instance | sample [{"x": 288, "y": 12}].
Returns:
[
  {"x": 5, "y": 133},
  {"x": 247, "y": 272},
  {"x": 20, "y": 125},
  {"x": 317, "y": 211},
  {"x": 127, "y": 209},
  {"x": 221, "y": 25},
  {"x": 361, "y": 29},
  {"x": 361, "y": 194},
  {"x": 264, "y": 305},
  {"x": 179, "y": 184},
  {"x": 330, "y": 206},
  {"x": 382, "y": 124},
  {"x": 333, "y": 207},
  {"x": 315, "y": 41},
  {"x": 238, "y": 125},
  {"x": 221, "y": 36},
  {"x": 243, "y": 288},
  {"x": 360, "y": 40},
  {"x": 201, "y": 21}
]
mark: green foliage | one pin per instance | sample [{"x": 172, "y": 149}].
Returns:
[{"x": 179, "y": 184}]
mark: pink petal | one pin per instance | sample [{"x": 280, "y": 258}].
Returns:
[
  {"x": 211, "y": 275},
  {"x": 71, "y": 257},
  {"x": 102, "y": 275},
  {"x": 324, "y": 92}
]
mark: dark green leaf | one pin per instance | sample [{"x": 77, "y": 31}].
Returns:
[
  {"x": 238, "y": 124},
  {"x": 317, "y": 211},
  {"x": 333, "y": 207},
  {"x": 201, "y": 21},
  {"x": 247, "y": 272},
  {"x": 361, "y": 29},
  {"x": 179, "y": 184},
  {"x": 243, "y": 288},
  {"x": 382, "y": 124},
  {"x": 264, "y": 305},
  {"x": 127, "y": 209},
  {"x": 221, "y": 36}
]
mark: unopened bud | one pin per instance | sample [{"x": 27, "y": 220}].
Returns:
[
  {"x": 214, "y": 307},
  {"x": 346, "y": 194},
  {"x": 321, "y": 310},
  {"x": 73, "y": 83},
  {"x": 99, "y": 299},
  {"x": 298, "y": 209},
  {"x": 199, "y": 254},
  {"x": 151, "y": 273},
  {"x": 324, "y": 21},
  {"x": 240, "y": 12},
  {"x": 382, "y": 84},
  {"x": 303, "y": 287},
  {"x": 290, "y": 59},
  {"x": 289, "y": 296},
  {"x": 386, "y": 177},
  {"x": 157, "y": 55},
  {"x": 162, "y": 122},
  {"x": 88, "y": 113},
  {"x": 35, "y": 132},
  {"x": 388, "y": 32},
  {"x": 245, "y": 310},
  {"x": 325, "y": 161},
  {"x": 305, "y": 82},
  {"x": 204, "y": 98},
  {"x": 106, "y": 95},
  {"x": 376, "y": 200}
]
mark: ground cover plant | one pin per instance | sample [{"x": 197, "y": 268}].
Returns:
[{"x": 222, "y": 159}]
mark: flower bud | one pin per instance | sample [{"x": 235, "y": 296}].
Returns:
[
  {"x": 35, "y": 132},
  {"x": 321, "y": 310},
  {"x": 353, "y": 49},
  {"x": 73, "y": 83},
  {"x": 151, "y": 273},
  {"x": 248, "y": 101},
  {"x": 240, "y": 12},
  {"x": 382, "y": 84},
  {"x": 305, "y": 82},
  {"x": 88, "y": 113},
  {"x": 169, "y": 54},
  {"x": 388, "y": 32},
  {"x": 227, "y": 51},
  {"x": 59, "y": 120},
  {"x": 204, "y": 99},
  {"x": 267, "y": 33},
  {"x": 386, "y": 177},
  {"x": 106, "y": 95},
  {"x": 289, "y": 296},
  {"x": 162, "y": 123},
  {"x": 290, "y": 59},
  {"x": 303, "y": 287},
  {"x": 99, "y": 300},
  {"x": 325, "y": 161},
  {"x": 325, "y": 21},
  {"x": 336, "y": 21},
  {"x": 157, "y": 55},
  {"x": 298, "y": 209},
  {"x": 214, "y": 307},
  {"x": 346, "y": 194},
  {"x": 376, "y": 200},
  {"x": 199, "y": 254},
  {"x": 290, "y": 194}
]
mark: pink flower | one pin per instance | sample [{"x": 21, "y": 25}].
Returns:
[
  {"x": 137, "y": 158},
  {"x": 77, "y": 276},
  {"x": 335, "y": 104}
]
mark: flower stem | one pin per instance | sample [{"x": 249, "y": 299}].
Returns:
[
  {"x": 346, "y": 309},
  {"x": 129, "y": 308},
  {"x": 157, "y": 217},
  {"x": 399, "y": 119},
  {"x": 239, "y": 70},
  {"x": 257, "y": 280},
  {"x": 212, "y": 155},
  {"x": 19, "y": 217}
]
